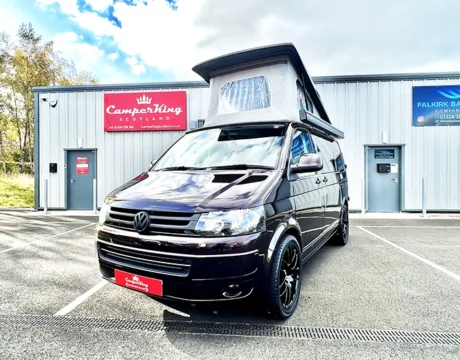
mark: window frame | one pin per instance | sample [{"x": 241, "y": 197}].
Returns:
[{"x": 294, "y": 132}]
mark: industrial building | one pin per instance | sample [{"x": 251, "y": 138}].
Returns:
[{"x": 400, "y": 130}]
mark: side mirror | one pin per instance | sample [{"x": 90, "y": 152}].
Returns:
[
  {"x": 308, "y": 163},
  {"x": 152, "y": 164}
]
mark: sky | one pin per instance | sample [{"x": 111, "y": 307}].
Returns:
[{"x": 161, "y": 40}]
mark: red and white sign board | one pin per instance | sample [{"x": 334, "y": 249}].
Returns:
[
  {"x": 139, "y": 283},
  {"x": 82, "y": 165},
  {"x": 145, "y": 111}
]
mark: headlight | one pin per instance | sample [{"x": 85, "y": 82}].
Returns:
[
  {"x": 231, "y": 223},
  {"x": 103, "y": 213}
]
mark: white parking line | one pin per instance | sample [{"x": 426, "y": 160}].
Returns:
[
  {"x": 82, "y": 298},
  {"x": 432, "y": 264},
  {"x": 45, "y": 238},
  {"x": 411, "y": 226},
  {"x": 38, "y": 222}
]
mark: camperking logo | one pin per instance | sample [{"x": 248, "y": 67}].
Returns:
[
  {"x": 144, "y": 100},
  {"x": 145, "y": 111}
]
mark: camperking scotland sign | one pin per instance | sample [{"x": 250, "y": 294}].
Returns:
[
  {"x": 145, "y": 111},
  {"x": 436, "y": 105}
]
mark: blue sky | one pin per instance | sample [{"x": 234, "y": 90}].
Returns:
[
  {"x": 161, "y": 40},
  {"x": 86, "y": 32}
]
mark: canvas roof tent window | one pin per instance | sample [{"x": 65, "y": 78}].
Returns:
[{"x": 261, "y": 85}]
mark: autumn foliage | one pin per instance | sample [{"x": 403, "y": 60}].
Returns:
[{"x": 27, "y": 61}]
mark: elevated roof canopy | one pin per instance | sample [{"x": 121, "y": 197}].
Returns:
[
  {"x": 217, "y": 66},
  {"x": 263, "y": 84}
]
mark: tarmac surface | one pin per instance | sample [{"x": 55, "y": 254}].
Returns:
[{"x": 394, "y": 275}]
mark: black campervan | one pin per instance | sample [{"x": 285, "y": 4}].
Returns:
[{"x": 233, "y": 209}]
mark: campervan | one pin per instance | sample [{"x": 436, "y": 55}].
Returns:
[{"x": 234, "y": 208}]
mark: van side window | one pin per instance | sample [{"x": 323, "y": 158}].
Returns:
[
  {"x": 326, "y": 149},
  {"x": 303, "y": 101},
  {"x": 302, "y": 143}
]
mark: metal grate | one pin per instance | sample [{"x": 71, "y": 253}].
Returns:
[{"x": 296, "y": 332}]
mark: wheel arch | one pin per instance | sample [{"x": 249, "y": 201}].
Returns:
[{"x": 288, "y": 226}]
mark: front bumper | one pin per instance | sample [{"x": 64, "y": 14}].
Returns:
[{"x": 191, "y": 268}]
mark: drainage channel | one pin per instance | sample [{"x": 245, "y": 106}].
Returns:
[{"x": 230, "y": 329}]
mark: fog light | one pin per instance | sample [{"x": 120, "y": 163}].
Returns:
[{"x": 233, "y": 291}]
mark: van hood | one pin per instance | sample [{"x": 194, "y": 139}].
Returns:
[{"x": 195, "y": 191}]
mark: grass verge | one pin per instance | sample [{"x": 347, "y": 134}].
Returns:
[{"x": 16, "y": 191}]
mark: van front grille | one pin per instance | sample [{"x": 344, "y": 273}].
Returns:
[
  {"x": 161, "y": 223},
  {"x": 135, "y": 259}
]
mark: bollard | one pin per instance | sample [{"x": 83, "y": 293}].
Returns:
[
  {"x": 46, "y": 196},
  {"x": 94, "y": 196},
  {"x": 424, "y": 197}
]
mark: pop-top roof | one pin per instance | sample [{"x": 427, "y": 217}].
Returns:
[{"x": 205, "y": 68}]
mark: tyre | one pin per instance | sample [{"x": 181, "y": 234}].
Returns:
[
  {"x": 285, "y": 280},
  {"x": 343, "y": 230}
]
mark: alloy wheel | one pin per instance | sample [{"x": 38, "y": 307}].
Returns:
[{"x": 289, "y": 276}]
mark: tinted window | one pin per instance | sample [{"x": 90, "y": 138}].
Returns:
[
  {"x": 245, "y": 95},
  {"x": 302, "y": 143},
  {"x": 327, "y": 151}
]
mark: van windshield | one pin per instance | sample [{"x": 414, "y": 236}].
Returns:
[{"x": 238, "y": 147}]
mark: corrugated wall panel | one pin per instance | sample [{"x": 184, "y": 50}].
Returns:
[
  {"x": 365, "y": 110},
  {"x": 120, "y": 156}
]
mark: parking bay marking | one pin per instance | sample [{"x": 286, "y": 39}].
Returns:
[
  {"x": 432, "y": 264},
  {"x": 412, "y": 226},
  {"x": 82, "y": 298},
  {"x": 45, "y": 238}
]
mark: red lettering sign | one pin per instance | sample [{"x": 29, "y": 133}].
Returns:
[
  {"x": 82, "y": 165},
  {"x": 139, "y": 283},
  {"x": 145, "y": 111}
]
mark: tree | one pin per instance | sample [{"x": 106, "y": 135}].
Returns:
[{"x": 28, "y": 62}]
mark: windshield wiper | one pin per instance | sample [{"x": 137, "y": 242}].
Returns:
[
  {"x": 181, "y": 168},
  {"x": 240, "y": 167}
]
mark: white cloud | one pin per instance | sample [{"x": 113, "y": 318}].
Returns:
[
  {"x": 84, "y": 55},
  {"x": 99, "y": 5},
  {"x": 358, "y": 37},
  {"x": 136, "y": 67},
  {"x": 69, "y": 7},
  {"x": 164, "y": 39},
  {"x": 110, "y": 69},
  {"x": 113, "y": 56}
]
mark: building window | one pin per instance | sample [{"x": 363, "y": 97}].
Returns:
[{"x": 245, "y": 95}]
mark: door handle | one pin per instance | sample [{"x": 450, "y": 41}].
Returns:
[
  {"x": 318, "y": 181},
  {"x": 325, "y": 179},
  {"x": 72, "y": 180},
  {"x": 396, "y": 180}
]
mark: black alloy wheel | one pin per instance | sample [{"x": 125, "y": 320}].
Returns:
[
  {"x": 285, "y": 279},
  {"x": 343, "y": 231}
]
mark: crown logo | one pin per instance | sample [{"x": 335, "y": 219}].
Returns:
[{"x": 144, "y": 100}]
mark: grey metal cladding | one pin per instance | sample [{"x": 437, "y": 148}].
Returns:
[{"x": 364, "y": 110}]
